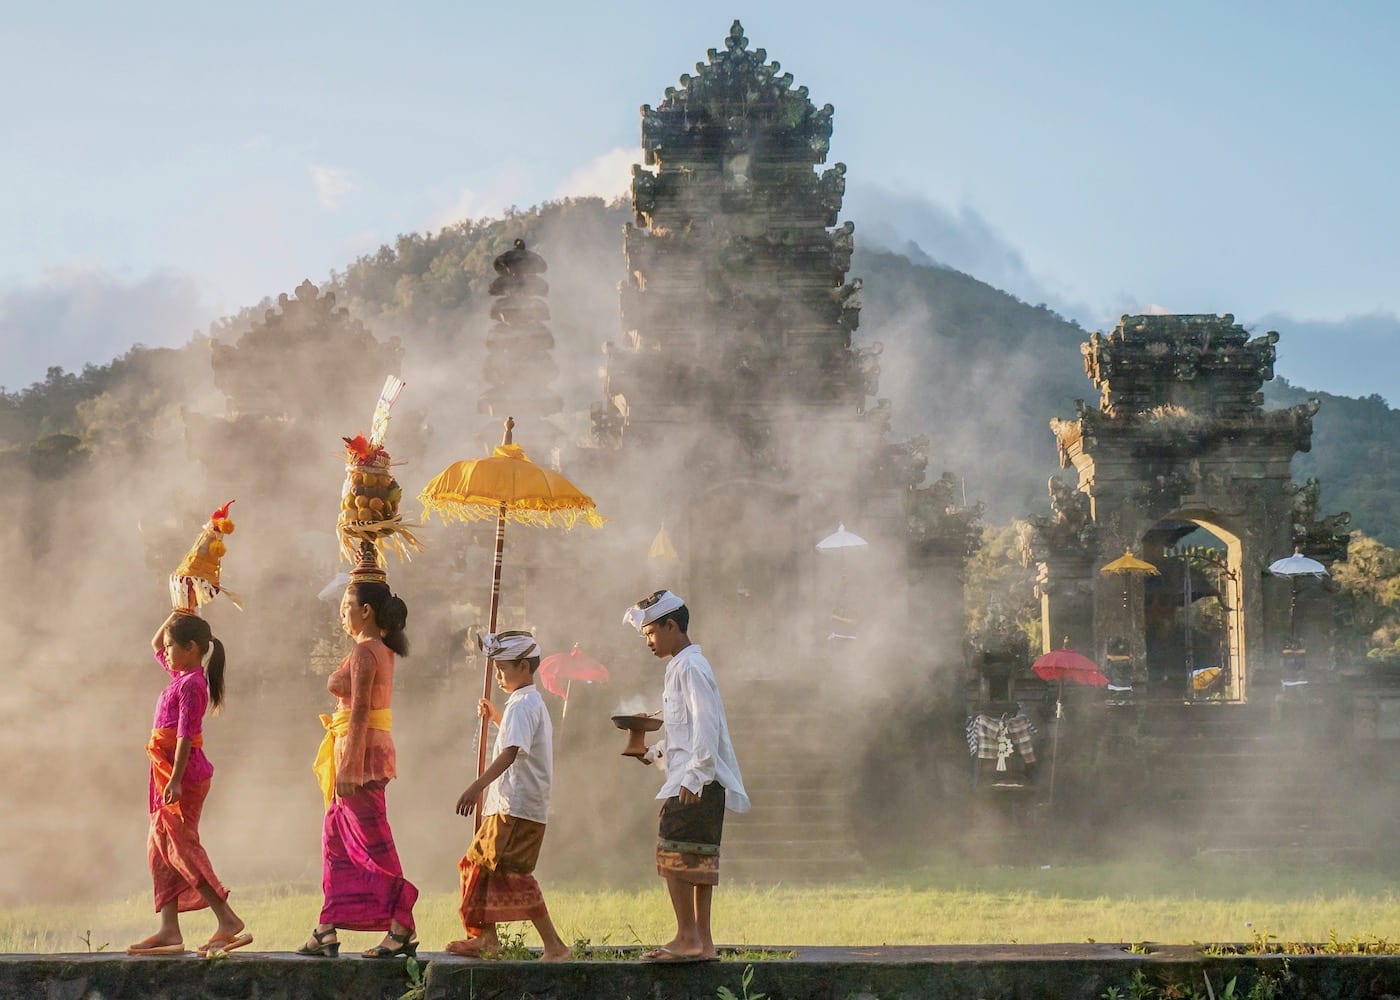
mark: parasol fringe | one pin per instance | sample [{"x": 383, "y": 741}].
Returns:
[{"x": 452, "y": 507}]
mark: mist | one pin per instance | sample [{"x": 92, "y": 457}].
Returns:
[{"x": 256, "y": 410}]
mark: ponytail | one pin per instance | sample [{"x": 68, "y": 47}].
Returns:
[
  {"x": 215, "y": 674},
  {"x": 191, "y": 628}
]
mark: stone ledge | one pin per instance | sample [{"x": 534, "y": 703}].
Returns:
[{"x": 947, "y": 972}]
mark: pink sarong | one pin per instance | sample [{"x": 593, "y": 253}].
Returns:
[
  {"x": 177, "y": 859},
  {"x": 361, "y": 875}
]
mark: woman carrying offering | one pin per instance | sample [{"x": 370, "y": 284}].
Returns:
[{"x": 361, "y": 875}]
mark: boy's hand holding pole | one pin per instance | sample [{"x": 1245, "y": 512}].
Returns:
[{"x": 486, "y": 710}]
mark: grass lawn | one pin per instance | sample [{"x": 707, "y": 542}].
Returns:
[{"x": 1182, "y": 903}]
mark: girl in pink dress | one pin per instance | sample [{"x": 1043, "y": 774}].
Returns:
[{"x": 180, "y": 774}]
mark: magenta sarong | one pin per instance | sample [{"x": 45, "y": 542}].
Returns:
[{"x": 361, "y": 875}]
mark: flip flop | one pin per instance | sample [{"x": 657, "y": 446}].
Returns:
[
  {"x": 217, "y": 945},
  {"x": 664, "y": 955},
  {"x": 159, "y": 949}
]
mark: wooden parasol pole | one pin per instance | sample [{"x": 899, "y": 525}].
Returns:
[{"x": 491, "y": 628}]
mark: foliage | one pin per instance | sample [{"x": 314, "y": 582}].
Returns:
[
  {"x": 1369, "y": 602},
  {"x": 1000, "y": 582},
  {"x": 417, "y": 985},
  {"x": 1355, "y": 453},
  {"x": 1264, "y": 943},
  {"x": 87, "y": 942},
  {"x": 725, "y": 993},
  {"x": 1264, "y": 987}
]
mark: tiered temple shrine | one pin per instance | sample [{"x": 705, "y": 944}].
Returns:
[{"x": 739, "y": 406}]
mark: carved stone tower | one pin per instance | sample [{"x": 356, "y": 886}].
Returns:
[
  {"x": 740, "y": 410},
  {"x": 1179, "y": 442},
  {"x": 519, "y": 365}
]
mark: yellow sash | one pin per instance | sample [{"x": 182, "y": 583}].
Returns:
[{"x": 336, "y": 727}]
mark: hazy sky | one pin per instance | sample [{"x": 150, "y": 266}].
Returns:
[{"x": 165, "y": 164}]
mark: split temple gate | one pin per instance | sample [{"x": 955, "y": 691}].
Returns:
[{"x": 1181, "y": 446}]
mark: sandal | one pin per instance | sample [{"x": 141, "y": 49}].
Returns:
[
  {"x": 322, "y": 948},
  {"x": 408, "y": 945}
]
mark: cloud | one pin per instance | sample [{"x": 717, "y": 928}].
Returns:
[
  {"x": 609, "y": 176},
  {"x": 1353, "y": 356},
  {"x": 930, "y": 233},
  {"x": 333, "y": 186},
  {"x": 75, "y": 316},
  {"x": 500, "y": 193}
]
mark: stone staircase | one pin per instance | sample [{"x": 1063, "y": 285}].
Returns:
[
  {"x": 1267, "y": 779},
  {"x": 798, "y": 828}
]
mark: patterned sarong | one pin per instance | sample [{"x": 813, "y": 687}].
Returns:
[
  {"x": 984, "y": 733},
  {"x": 361, "y": 875},
  {"x": 687, "y": 845},
  {"x": 177, "y": 860},
  {"x": 497, "y": 884}
]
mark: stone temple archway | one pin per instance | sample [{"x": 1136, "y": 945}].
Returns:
[{"x": 1180, "y": 436}]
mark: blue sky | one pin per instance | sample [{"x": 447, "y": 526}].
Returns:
[{"x": 165, "y": 164}]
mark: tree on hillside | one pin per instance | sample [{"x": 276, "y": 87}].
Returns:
[{"x": 1369, "y": 599}]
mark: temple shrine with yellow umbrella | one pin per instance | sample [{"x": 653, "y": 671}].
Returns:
[
  {"x": 506, "y": 486},
  {"x": 1119, "y": 657}
]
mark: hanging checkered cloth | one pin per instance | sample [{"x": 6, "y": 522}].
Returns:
[{"x": 985, "y": 734}]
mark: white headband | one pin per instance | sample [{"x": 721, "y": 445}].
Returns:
[
  {"x": 507, "y": 645},
  {"x": 647, "y": 610}
]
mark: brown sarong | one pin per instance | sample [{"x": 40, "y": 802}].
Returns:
[
  {"x": 497, "y": 884},
  {"x": 687, "y": 846}
]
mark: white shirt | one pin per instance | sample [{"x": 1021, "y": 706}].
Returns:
[
  {"x": 696, "y": 749},
  {"x": 523, "y": 789}
]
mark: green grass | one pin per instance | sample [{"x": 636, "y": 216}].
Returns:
[{"x": 1163, "y": 903}]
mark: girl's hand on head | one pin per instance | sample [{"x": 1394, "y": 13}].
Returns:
[{"x": 172, "y": 793}]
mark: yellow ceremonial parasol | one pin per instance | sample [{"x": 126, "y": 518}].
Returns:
[
  {"x": 509, "y": 487},
  {"x": 1128, "y": 563},
  {"x": 1128, "y": 566}
]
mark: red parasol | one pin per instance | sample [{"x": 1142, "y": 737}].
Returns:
[
  {"x": 1067, "y": 665},
  {"x": 1060, "y": 665},
  {"x": 559, "y": 670}
]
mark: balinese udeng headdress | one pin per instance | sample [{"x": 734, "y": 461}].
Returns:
[
  {"x": 195, "y": 581},
  {"x": 369, "y": 501},
  {"x": 648, "y": 609},
  {"x": 514, "y": 645}
]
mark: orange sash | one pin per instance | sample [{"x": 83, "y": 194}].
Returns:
[{"x": 161, "y": 750}]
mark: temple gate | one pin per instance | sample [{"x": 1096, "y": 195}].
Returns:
[{"x": 1180, "y": 445}]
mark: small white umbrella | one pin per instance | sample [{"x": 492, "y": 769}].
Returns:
[
  {"x": 841, "y": 539},
  {"x": 1298, "y": 565},
  {"x": 838, "y": 541},
  {"x": 1293, "y": 567}
]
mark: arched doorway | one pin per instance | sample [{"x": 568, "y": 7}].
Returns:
[{"x": 1193, "y": 611}]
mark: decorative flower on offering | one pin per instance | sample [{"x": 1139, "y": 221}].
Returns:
[
  {"x": 369, "y": 500},
  {"x": 195, "y": 581}
]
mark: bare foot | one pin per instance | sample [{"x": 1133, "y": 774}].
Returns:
[
  {"x": 160, "y": 943},
  {"x": 477, "y": 947},
  {"x": 556, "y": 956},
  {"x": 689, "y": 947},
  {"x": 231, "y": 929}
]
